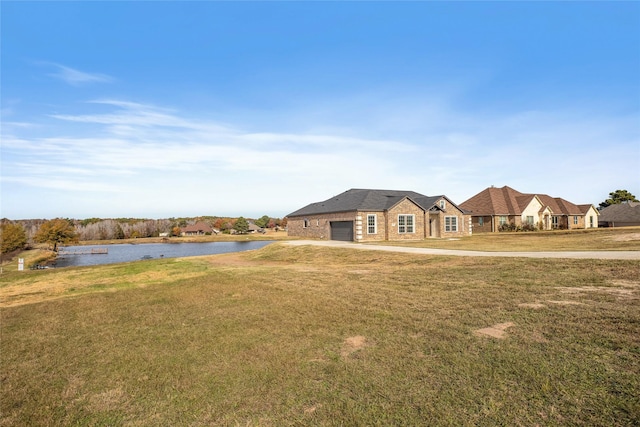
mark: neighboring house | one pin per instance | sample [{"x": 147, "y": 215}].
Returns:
[
  {"x": 253, "y": 228},
  {"x": 371, "y": 215},
  {"x": 495, "y": 209},
  {"x": 623, "y": 214},
  {"x": 198, "y": 229}
]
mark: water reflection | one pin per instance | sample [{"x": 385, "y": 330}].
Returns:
[{"x": 81, "y": 255}]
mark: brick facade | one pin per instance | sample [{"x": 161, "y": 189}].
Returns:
[
  {"x": 387, "y": 224},
  {"x": 317, "y": 226}
]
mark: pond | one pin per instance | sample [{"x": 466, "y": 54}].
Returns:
[{"x": 138, "y": 252}]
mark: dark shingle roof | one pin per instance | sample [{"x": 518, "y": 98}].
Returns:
[
  {"x": 622, "y": 212},
  {"x": 358, "y": 199}
]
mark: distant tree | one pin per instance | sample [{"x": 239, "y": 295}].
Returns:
[
  {"x": 118, "y": 232},
  {"x": 617, "y": 197},
  {"x": 263, "y": 221},
  {"x": 12, "y": 236},
  {"x": 241, "y": 225},
  {"x": 55, "y": 232}
]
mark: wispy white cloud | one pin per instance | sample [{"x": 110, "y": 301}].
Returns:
[
  {"x": 140, "y": 156},
  {"x": 75, "y": 77}
]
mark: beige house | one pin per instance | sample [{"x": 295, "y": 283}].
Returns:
[
  {"x": 495, "y": 209},
  {"x": 362, "y": 215},
  {"x": 198, "y": 229}
]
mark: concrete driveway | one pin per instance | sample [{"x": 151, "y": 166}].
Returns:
[{"x": 451, "y": 252}]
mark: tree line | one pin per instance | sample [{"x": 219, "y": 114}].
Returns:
[{"x": 16, "y": 235}]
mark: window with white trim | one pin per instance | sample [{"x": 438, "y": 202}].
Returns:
[
  {"x": 406, "y": 224},
  {"x": 443, "y": 204},
  {"x": 575, "y": 220},
  {"x": 306, "y": 223},
  {"x": 530, "y": 219},
  {"x": 503, "y": 220},
  {"x": 451, "y": 223},
  {"x": 372, "y": 226},
  {"x": 481, "y": 221}
]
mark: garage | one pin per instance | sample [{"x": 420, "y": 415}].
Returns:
[{"x": 342, "y": 230}]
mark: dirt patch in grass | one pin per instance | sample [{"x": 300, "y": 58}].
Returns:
[
  {"x": 565, "y": 302},
  {"x": 495, "y": 331},
  {"x": 534, "y": 305},
  {"x": 624, "y": 289},
  {"x": 312, "y": 409},
  {"x": 352, "y": 345},
  {"x": 627, "y": 237}
]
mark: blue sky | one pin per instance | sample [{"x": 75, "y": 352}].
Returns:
[{"x": 167, "y": 109}]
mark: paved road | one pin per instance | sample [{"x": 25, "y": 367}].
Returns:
[{"x": 452, "y": 252}]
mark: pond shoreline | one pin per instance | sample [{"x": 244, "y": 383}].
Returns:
[{"x": 87, "y": 255}]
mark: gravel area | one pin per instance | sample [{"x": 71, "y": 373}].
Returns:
[{"x": 451, "y": 252}]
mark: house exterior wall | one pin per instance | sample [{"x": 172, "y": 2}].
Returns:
[
  {"x": 318, "y": 225},
  {"x": 482, "y": 224},
  {"x": 381, "y": 227},
  {"x": 591, "y": 218},
  {"x": 405, "y": 207},
  {"x": 532, "y": 210},
  {"x": 572, "y": 222},
  {"x": 542, "y": 220},
  {"x": 463, "y": 223}
]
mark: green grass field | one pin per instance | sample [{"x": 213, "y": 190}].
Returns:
[{"x": 323, "y": 336}]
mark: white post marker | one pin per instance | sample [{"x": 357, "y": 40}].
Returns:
[{"x": 20, "y": 264}]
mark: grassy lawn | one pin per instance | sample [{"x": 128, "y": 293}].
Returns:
[
  {"x": 598, "y": 239},
  {"x": 323, "y": 336}
]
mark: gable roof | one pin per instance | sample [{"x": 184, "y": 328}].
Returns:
[
  {"x": 585, "y": 209},
  {"x": 497, "y": 201},
  {"x": 560, "y": 206},
  {"x": 358, "y": 199},
  {"x": 621, "y": 212},
  {"x": 198, "y": 227},
  {"x": 507, "y": 201}
]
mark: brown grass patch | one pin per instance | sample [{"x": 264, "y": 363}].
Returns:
[
  {"x": 495, "y": 331},
  {"x": 625, "y": 289},
  {"x": 565, "y": 302},
  {"x": 626, "y": 237},
  {"x": 534, "y": 305},
  {"x": 107, "y": 400},
  {"x": 352, "y": 345}
]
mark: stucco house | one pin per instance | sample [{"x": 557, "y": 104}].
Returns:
[
  {"x": 494, "y": 209},
  {"x": 362, "y": 215},
  {"x": 624, "y": 214}
]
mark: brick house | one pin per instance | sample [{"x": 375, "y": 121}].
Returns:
[
  {"x": 373, "y": 215},
  {"x": 494, "y": 207}
]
